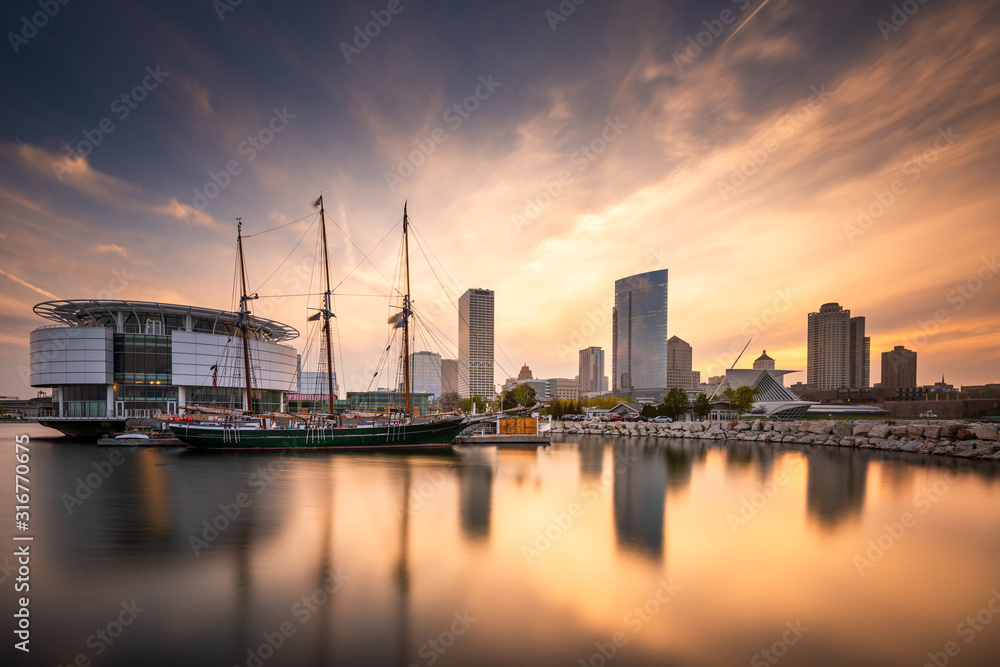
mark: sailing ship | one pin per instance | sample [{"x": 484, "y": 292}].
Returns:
[{"x": 247, "y": 429}]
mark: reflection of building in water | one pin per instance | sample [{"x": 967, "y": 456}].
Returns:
[
  {"x": 680, "y": 462},
  {"x": 836, "y": 484},
  {"x": 897, "y": 477},
  {"x": 739, "y": 454},
  {"x": 591, "y": 459},
  {"x": 475, "y": 488},
  {"x": 640, "y": 490},
  {"x": 764, "y": 459},
  {"x": 742, "y": 457}
]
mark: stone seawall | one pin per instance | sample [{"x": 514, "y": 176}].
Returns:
[{"x": 973, "y": 440}]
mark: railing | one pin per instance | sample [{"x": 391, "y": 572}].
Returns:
[
  {"x": 77, "y": 326},
  {"x": 76, "y": 413}
]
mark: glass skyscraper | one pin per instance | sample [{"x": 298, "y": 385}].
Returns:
[{"x": 639, "y": 335}]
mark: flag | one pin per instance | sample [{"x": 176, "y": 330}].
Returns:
[
  {"x": 319, "y": 202},
  {"x": 215, "y": 378}
]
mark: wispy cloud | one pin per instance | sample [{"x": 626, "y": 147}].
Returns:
[
  {"x": 111, "y": 248},
  {"x": 25, "y": 283}
]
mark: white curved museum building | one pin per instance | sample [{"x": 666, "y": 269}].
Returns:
[{"x": 106, "y": 361}]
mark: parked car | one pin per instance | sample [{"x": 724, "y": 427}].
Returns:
[
  {"x": 662, "y": 420},
  {"x": 615, "y": 418}
]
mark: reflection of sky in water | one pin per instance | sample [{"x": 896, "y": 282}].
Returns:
[{"x": 550, "y": 551}]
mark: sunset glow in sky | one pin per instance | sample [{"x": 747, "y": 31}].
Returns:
[{"x": 773, "y": 156}]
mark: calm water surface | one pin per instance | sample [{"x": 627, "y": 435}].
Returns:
[{"x": 590, "y": 552}]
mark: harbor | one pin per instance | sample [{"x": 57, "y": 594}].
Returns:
[{"x": 366, "y": 557}]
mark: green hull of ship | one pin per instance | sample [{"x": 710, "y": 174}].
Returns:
[{"x": 431, "y": 434}]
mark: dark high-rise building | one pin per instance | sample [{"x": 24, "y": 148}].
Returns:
[
  {"x": 639, "y": 335},
  {"x": 899, "y": 367},
  {"x": 859, "y": 355}
]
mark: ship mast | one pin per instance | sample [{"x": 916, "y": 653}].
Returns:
[
  {"x": 406, "y": 315},
  {"x": 244, "y": 320},
  {"x": 327, "y": 313}
]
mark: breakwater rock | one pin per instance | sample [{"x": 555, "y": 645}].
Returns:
[{"x": 973, "y": 440}]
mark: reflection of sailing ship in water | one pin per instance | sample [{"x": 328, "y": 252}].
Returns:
[
  {"x": 640, "y": 495},
  {"x": 325, "y": 573},
  {"x": 402, "y": 574},
  {"x": 680, "y": 464},
  {"x": 242, "y": 568},
  {"x": 836, "y": 484}
]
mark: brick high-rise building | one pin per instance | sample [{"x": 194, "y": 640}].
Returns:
[
  {"x": 763, "y": 362},
  {"x": 899, "y": 368}
]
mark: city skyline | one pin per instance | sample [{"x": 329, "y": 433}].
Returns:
[{"x": 613, "y": 141}]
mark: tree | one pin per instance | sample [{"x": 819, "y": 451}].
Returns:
[
  {"x": 466, "y": 404},
  {"x": 740, "y": 399},
  {"x": 702, "y": 406},
  {"x": 523, "y": 394},
  {"x": 676, "y": 402},
  {"x": 649, "y": 411},
  {"x": 449, "y": 401},
  {"x": 604, "y": 402}
]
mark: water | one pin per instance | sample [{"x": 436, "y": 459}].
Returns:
[{"x": 593, "y": 551}]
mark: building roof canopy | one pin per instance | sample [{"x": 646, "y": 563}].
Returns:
[{"x": 77, "y": 312}]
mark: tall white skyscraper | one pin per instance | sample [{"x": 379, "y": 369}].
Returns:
[{"x": 475, "y": 344}]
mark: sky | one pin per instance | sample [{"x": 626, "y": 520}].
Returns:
[{"x": 773, "y": 156}]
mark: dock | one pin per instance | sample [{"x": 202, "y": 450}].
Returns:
[
  {"x": 513, "y": 440},
  {"x": 149, "y": 442}
]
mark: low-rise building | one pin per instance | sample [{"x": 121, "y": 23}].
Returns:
[{"x": 108, "y": 360}]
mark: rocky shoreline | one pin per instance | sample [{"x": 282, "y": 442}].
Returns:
[{"x": 970, "y": 440}]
